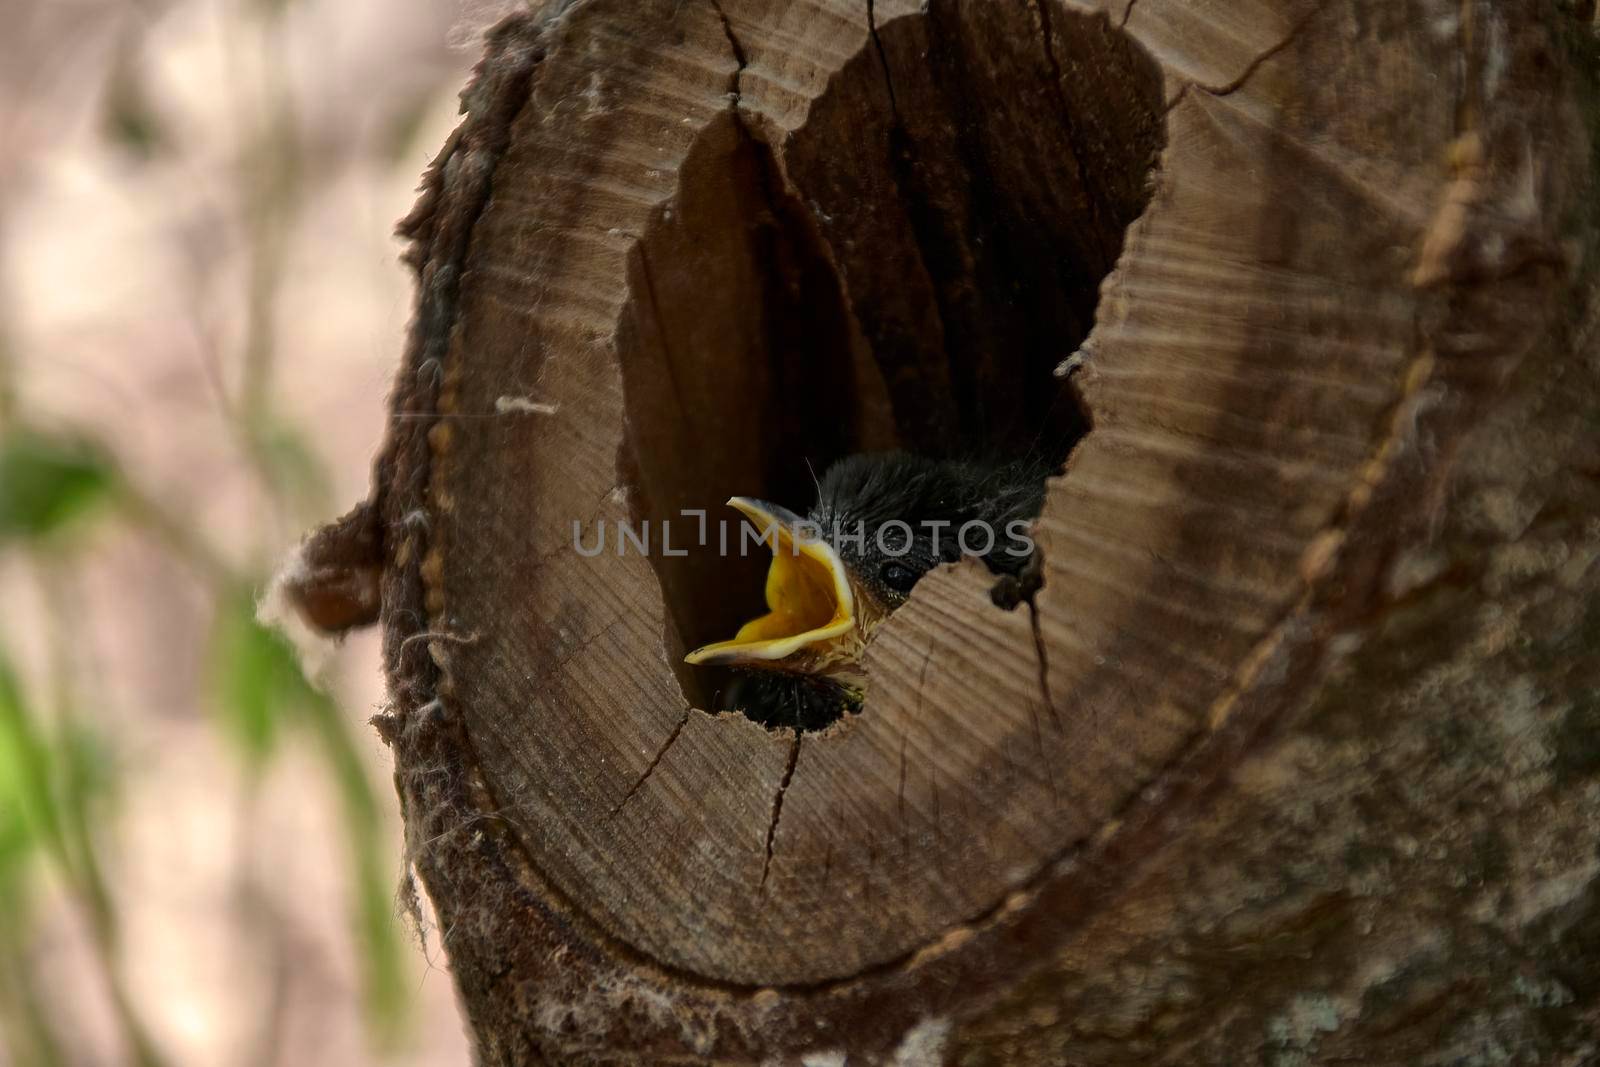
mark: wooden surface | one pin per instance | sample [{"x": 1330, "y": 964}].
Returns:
[
  {"x": 1292, "y": 750},
  {"x": 679, "y": 351}
]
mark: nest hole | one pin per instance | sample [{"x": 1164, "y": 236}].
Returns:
[{"x": 907, "y": 270}]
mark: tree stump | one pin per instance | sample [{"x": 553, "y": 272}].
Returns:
[{"x": 1295, "y": 758}]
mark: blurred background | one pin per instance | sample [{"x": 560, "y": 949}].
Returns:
[{"x": 200, "y": 309}]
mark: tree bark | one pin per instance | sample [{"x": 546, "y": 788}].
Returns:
[{"x": 1296, "y": 756}]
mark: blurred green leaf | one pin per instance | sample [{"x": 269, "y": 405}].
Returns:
[
  {"x": 85, "y": 781},
  {"x": 46, "y": 481},
  {"x": 52, "y": 790},
  {"x": 17, "y": 846},
  {"x": 256, "y": 677},
  {"x": 87, "y": 773},
  {"x": 263, "y": 692},
  {"x": 31, "y": 821},
  {"x": 380, "y": 938},
  {"x": 381, "y": 942},
  {"x": 27, "y": 1033},
  {"x": 25, "y": 771}
]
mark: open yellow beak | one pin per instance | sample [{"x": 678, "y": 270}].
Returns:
[{"x": 808, "y": 594}]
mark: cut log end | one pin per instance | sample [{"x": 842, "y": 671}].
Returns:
[
  {"x": 679, "y": 252},
  {"x": 720, "y": 286}
]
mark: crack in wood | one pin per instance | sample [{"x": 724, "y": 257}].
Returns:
[
  {"x": 777, "y": 805},
  {"x": 1255, "y": 64},
  {"x": 579, "y": 649},
  {"x": 661, "y": 754},
  {"x": 1127, "y": 13},
  {"x": 1044, "y": 663},
  {"x": 739, "y": 55},
  {"x": 1250, "y": 69},
  {"x": 883, "y": 58},
  {"x": 1069, "y": 128}
]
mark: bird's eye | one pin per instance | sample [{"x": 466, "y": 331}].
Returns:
[{"x": 899, "y": 577}]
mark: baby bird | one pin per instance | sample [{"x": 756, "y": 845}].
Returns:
[{"x": 880, "y": 523}]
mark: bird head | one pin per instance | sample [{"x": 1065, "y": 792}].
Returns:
[
  {"x": 881, "y": 522},
  {"x": 817, "y": 617}
]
